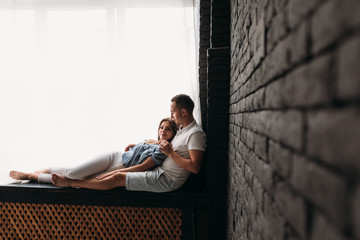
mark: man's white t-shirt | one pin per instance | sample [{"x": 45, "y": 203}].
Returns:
[{"x": 192, "y": 137}]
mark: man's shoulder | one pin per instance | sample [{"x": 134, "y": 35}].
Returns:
[
  {"x": 196, "y": 128},
  {"x": 186, "y": 134}
]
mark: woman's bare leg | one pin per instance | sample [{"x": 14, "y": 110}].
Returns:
[
  {"x": 17, "y": 175},
  {"x": 114, "y": 181}
]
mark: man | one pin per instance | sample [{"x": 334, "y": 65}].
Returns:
[
  {"x": 187, "y": 149},
  {"x": 185, "y": 154}
]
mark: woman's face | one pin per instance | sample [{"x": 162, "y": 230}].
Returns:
[{"x": 165, "y": 132}]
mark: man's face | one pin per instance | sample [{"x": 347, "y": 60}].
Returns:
[{"x": 176, "y": 114}]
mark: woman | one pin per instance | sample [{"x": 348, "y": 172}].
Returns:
[{"x": 136, "y": 158}]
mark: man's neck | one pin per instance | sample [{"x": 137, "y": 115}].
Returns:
[{"x": 188, "y": 121}]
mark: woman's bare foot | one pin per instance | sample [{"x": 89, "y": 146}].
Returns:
[
  {"x": 24, "y": 176},
  {"x": 18, "y": 175},
  {"x": 60, "y": 181}
]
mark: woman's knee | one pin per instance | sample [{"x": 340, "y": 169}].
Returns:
[{"x": 72, "y": 174}]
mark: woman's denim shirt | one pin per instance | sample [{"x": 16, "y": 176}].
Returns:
[{"x": 140, "y": 152}]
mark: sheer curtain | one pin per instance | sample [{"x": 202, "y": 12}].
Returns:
[{"x": 82, "y": 78}]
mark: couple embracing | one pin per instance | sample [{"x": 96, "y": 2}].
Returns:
[{"x": 161, "y": 165}]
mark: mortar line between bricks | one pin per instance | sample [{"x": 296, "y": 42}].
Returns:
[
  {"x": 269, "y": 138},
  {"x": 262, "y": 60},
  {"x": 334, "y": 169},
  {"x": 350, "y": 103},
  {"x": 288, "y": 32},
  {"x": 304, "y": 132},
  {"x": 353, "y": 32},
  {"x": 350, "y": 190},
  {"x": 252, "y": 150},
  {"x": 309, "y": 58}
]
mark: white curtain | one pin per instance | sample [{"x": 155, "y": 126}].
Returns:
[{"x": 85, "y": 77}]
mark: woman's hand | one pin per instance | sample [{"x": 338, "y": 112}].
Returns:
[
  {"x": 105, "y": 175},
  {"x": 129, "y": 146}
]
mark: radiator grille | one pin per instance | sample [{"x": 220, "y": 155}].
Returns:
[{"x": 59, "y": 221}]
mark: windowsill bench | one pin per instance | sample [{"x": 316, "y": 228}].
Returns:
[{"x": 44, "y": 211}]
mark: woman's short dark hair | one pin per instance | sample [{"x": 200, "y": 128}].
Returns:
[
  {"x": 183, "y": 101},
  {"x": 173, "y": 127}
]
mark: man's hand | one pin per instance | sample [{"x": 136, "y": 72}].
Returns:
[{"x": 166, "y": 148}]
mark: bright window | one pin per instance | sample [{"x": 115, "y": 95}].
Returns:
[{"x": 79, "y": 80}]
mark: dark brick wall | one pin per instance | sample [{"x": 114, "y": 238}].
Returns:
[
  {"x": 214, "y": 92},
  {"x": 217, "y": 144},
  {"x": 203, "y": 47},
  {"x": 294, "y": 132}
]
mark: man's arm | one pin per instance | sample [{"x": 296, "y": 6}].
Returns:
[{"x": 192, "y": 165}]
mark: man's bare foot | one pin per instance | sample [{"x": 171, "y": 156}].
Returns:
[{"x": 60, "y": 181}]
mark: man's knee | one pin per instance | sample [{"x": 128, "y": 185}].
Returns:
[{"x": 119, "y": 179}]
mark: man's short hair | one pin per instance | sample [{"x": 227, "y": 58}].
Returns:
[{"x": 183, "y": 101}]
